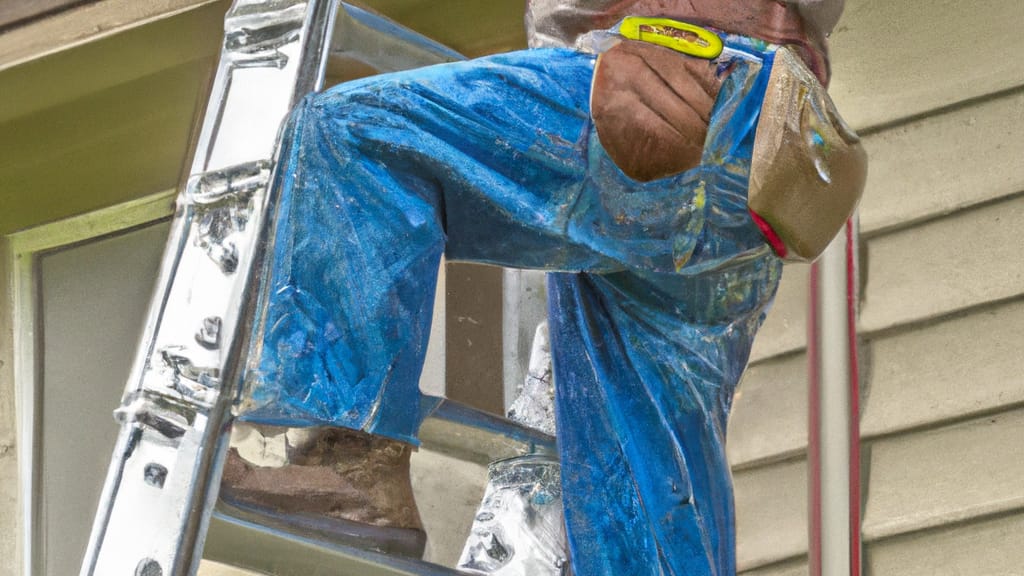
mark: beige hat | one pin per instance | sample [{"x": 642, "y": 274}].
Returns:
[{"x": 561, "y": 22}]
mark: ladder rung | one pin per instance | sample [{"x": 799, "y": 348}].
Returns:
[
  {"x": 470, "y": 434},
  {"x": 250, "y": 546}
]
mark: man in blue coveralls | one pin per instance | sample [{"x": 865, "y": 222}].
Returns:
[{"x": 616, "y": 154}]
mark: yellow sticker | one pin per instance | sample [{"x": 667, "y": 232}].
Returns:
[{"x": 678, "y": 36}]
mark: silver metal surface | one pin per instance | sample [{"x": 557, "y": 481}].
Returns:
[
  {"x": 472, "y": 435},
  {"x": 524, "y": 307},
  {"x": 246, "y": 545},
  {"x": 836, "y": 425},
  {"x": 534, "y": 405},
  {"x": 363, "y": 37},
  {"x": 519, "y": 529},
  {"x": 164, "y": 475}
]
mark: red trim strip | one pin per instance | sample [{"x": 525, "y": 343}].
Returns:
[
  {"x": 778, "y": 246},
  {"x": 855, "y": 495}
]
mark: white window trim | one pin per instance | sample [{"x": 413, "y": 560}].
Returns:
[{"x": 23, "y": 249}]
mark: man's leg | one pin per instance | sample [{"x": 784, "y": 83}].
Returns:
[
  {"x": 372, "y": 174},
  {"x": 493, "y": 161},
  {"x": 644, "y": 380},
  {"x": 345, "y": 313},
  {"x": 496, "y": 158},
  {"x": 646, "y": 362},
  {"x": 483, "y": 159}
]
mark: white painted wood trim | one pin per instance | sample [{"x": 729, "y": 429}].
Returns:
[
  {"x": 84, "y": 24},
  {"x": 93, "y": 224},
  {"x": 23, "y": 248},
  {"x": 23, "y": 320}
]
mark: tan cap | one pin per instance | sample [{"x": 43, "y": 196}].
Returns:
[{"x": 561, "y": 22}]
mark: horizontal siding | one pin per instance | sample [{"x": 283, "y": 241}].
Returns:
[
  {"x": 769, "y": 416},
  {"x": 767, "y": 430},
  {"x": 952, "y": 369},
  {"x": 785, "y": 329},
  {"x": 943, "y": 308},
  {"x": 942, "y": 314},
  {"x": 789, "y": 568},
  {"x": 939, "y": 164},
  {"x": 970, "y": 258},
  {"x": 947, "y": 475},
  {"x": 990, "y": 548},
  {"x": 894, "y": 60},
  {"x": 771, "y": 513}
]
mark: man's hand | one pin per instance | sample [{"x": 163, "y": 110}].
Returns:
[{"x": 651, "y": 107}]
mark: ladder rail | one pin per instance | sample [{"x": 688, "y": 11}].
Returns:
[
  {"x": 164, "y": 474},
  {"x": 161, "y": 487}
]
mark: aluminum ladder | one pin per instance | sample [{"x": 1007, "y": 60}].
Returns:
[{"x": 157, "y": 509}]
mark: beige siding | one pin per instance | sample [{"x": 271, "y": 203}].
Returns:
[
  {"x": 990, "y": 547},
  {"x": 770, "y": 412},
  {"x": 963, "y": 366},
  {"x": 942, "y": 312},
  {"x": 785, "y": 330},
  {"x": 791, "y": 568},
  {"x": 971, "y": 258},
  {"x": 768, "y": 429},
  {"x": 945, "y": 162},
  {"x": 772, "y": 525},
  {"x": 895, "y": 60},
  {"x": 946, "y": 475}
]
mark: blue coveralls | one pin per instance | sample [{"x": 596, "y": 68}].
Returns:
[{"x": 657, "y": 290}]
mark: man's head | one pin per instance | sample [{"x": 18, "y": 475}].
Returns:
[{"x": 804, "y": 24}]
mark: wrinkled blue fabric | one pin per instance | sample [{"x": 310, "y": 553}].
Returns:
[{"x": 658, "y": 287}]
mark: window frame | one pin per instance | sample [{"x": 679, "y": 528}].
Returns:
[{"x": 23, "y": 251}]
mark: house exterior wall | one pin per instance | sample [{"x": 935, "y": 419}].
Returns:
[{"x": 937, "y": 93}]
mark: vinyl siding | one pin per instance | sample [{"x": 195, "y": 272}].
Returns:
[{"x": 942, "y": 307}]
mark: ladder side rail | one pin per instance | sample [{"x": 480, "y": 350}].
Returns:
[{"x": 164, "y": 473}]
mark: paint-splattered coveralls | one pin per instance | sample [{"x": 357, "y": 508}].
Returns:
[{"x": 656, "y": 291}]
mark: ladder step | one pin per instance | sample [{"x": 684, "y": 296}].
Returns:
[
  {"x": 253, "y": 547},
  {"x": 473, "y": 435}
]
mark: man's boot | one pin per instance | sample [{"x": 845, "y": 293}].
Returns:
[{"x": 327, "y": 483}]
